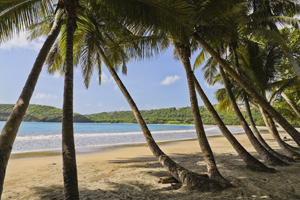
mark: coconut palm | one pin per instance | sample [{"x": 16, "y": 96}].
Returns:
[
  {"x": 281, "y": 12},
  {"x": 17, "y": 15},
  {"x": 209, "y": 74},
  {"x": 251, "y": 162},
  {"x": 203, "y": 32},
  {"x": 101, "y": 39},
  {"x": 184, "y": 53}
]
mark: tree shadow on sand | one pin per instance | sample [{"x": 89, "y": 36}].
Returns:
[{"x": 246, "y": 184}]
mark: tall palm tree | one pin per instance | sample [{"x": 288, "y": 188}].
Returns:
[
  {"x": 203, "y": 31},
  {"x": 251, "y": 162},
  {"x": 68, "y": 146},
  {"x": 184, "y": 53},
  {"x": 254, "y": 94},
  {"x": 19, "y": 11},
  {"x": 99, "y": 37},
  {"x": 260, "y": 67}
]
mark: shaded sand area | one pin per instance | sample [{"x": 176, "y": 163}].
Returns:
[{"x": 133, "y": 173}]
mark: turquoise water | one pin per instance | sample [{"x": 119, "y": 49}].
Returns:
[{"x": 37, "y": 136}]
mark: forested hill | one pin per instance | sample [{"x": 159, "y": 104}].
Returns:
[
  {"x": 171, "y": 116},
  {"x": 41, "y": 113}
]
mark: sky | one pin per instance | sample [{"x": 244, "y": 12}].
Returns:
[{"x": 153, "y": 84}]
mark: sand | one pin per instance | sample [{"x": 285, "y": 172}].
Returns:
[{"x": 133, "y": 173}]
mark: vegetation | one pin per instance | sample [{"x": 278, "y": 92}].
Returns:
[
  {"x": 114, "y": 31},
  {"x": 37, "y": 113},
  {"x": 160, "y": 116}
]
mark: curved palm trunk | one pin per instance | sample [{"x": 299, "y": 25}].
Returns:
[
  {"x": 289, "y": 101},
  {"x": 68, "y": 145},
  {"x": 273, "y": 130},
  {"x": 191, "y": 179},
  {"x": 11, "y": 127},
  {"x": 255, "y": 95},
  {"x": 251, "y": 162},
  {"x": 268, "y": 157},
  {"x": 260, "y": 138},
  {"x": 213, "y": 172}
]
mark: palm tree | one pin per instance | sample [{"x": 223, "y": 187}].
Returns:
[
  {"x": 94, "y": 40},
  {"x": 203, "y": 31},
  {"x": 10, "y": 129},
  {"x": 184, "y": 52},
  {"x": 251, "y": 162},
  {"x": 254, "y": 94},
  {"x": 210, "y": 75},
  {"x": 260, "y": 67},
  {"x": 273, "y": 11},
  {"x": 68, "y": 146}
]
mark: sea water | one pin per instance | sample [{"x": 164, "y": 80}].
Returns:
[{"x": 46, "y": 136}]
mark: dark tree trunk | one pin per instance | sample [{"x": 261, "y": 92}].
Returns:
[
  {"x": 191, "y": 179},
  {"x": 268, "y": 157},
  {"x": 213, "y": 172},
  {"x": 68, "y": 145},
  {"x": 260, "y": 138},
  {"x": 255, "y": 95},
  {"x": 273, "y": 130},
  {"x": 289, "y": 101},
  {"x": 251, "y": 162},
  {"x": 11, "y": 127}
]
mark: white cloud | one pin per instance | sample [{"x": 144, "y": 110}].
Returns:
[
  {"x": 100, "y": 105},
  {"x": 105, "y": 79},
  {"x": 45, "y": 97},
  {"x": 149, "y": 107},
  {"x": 56, "y": 75},
  {"x": 170, "y": 80},
  {"x": 215, "y": 86},
  {"x": 116, "y": 87},
  {"x": 20, "y": 42},
  {"x": 88, "y": 104}
]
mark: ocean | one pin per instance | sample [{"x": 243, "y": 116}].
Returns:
[{"x": 46, "y": 136}]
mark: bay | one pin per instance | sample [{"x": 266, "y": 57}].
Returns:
[{"x": 46, "y": 136}]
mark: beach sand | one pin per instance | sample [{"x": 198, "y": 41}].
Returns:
[{"x": 133, "y": 173}]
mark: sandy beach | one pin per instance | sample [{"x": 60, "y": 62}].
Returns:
[{"x": 133, "y": 173}]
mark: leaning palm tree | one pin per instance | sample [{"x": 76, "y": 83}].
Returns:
[
  {"x": 202, "y": 32},
  {"x": 102, "y": 39},
  {"x": 251, "y": 162},
  {"x": 184, "y": 52},
  {"x": 210, "y": 72},
  {"x": 17, "y": 15}
]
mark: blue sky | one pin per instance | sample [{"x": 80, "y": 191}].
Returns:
[{"x": 154, "y": 84}]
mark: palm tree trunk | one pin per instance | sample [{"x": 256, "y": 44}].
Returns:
[
  {"x": 11, "y": 127},
  {"x": 68, "y": 145},
  {"x": 260, "y": 138},
  {"x": 273, "y": 130},
  {"x": 255, "y": 95},
  {"x": 191, "y": 179},
  {"x": 251, "y": 162},
  {"x": 289, "y": 101},
  {"x": 268, "y": 157},
  {"x": 213, "y": 172}
]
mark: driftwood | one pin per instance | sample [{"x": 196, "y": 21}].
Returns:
[{"x": 167, "y": 179}]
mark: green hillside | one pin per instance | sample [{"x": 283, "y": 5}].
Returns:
[
  {"x": 39, "y": 113},
  {"x": 171, "y": 116}
]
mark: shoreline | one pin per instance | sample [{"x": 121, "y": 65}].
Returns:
[{"x": 104, "y": 149}]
